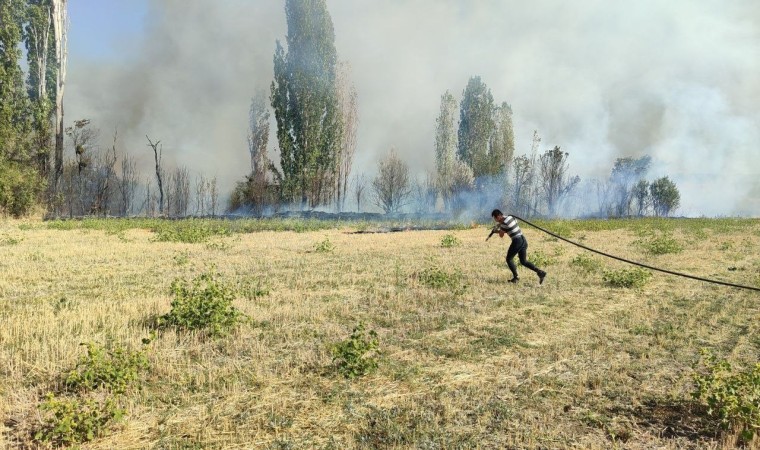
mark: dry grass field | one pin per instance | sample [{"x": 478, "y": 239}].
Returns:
[{"x": 466, "y": 360}]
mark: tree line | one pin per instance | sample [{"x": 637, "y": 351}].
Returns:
[{"x": 314, "y": 105}]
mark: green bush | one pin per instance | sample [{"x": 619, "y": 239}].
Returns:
[
  {"x": 70, "y": 420},
  {"x": 188, "y": 231},
  {"x": 114, "y": 369},
  {"x": 660, "y": 245},
  {"x": 20, "y": 188},
  {"x": 586, "y": 264},
  {"x": 436, "y": 278},
  {"x": 357, "y": 355},
  {"x": 204, "y": 304},
  {"x": 541, "y": 259},
  {"x": 324, "y": 247},
  {"x": 449, "y": 241},
  {"x": 627, "y": 278},
  {"x": 732, "y": 396}
]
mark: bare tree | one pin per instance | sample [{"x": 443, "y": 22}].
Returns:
[
  {"x": 181, "y": 187},
  {"x": 391, "y": 185},
  {"x": 521, "y": 187},
  {"x": 200, "y": 195},
  {"x": 157, "y": 150},
  {"x": 82, "y": 138},
  {"x": 104, "y": 177},
  {"x": 360, "y": 184},
  {"x": 555, "y": 181},
  {"x": 60, "y": 31},
  {"x": 214, "y": 193},
  {"x": 128, "y": 184},
  {"x": 603, "y": 197},
  {"x": 349, "y": 113},
  {"x": 257, "y": 183},
  {"x": 425, "y": 192}
]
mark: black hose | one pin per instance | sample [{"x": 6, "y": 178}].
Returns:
[{"x": 707, "y": 280}]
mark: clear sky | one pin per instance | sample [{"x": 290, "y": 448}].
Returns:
[{"x": 99, "y": 27}]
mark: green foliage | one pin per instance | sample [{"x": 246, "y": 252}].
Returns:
[
  {"x": 182, "y": 258},
  {"x": 189, "y": 231},
  {"x": 71, "y": 420},
  {"x": 305, "y": 102},
  {"x": 476, "y": 127},
  {"x": 251, "y": 288},
  {"x": 324, "y": 247},
  {"x": 19, "y": 189},
  {"x": 115, "y": 369},
  {"x": 627, "y": 278},
  {"x": 659, "y": 244},
  {"x": 731, "y": 395},
  {"x": 665, "y": 196},
  {"x": 541, "y": 259},
  {"x": 450, "y": 240},
  {"x": 204, "y": 304},
  {"x": 10, "y": 240},
  {"x": 587, "y": 264},
  {"x": 357, "y": 355},
  {"x": 437, "y": 278}
]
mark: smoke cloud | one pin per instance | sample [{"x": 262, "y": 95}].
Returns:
[{"x": 676, "y": 80}]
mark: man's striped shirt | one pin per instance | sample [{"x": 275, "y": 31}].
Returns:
[{"x": 510, "y": 227}]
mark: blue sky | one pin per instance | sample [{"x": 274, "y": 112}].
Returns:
[{"x": 100, "y": 27}]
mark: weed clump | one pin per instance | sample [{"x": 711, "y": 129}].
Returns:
[
  {"x": 97, "y": 383},
  {"x": 189, "y": 231},
  {"x": 659, "y": 245},
  {"x": 732, "y": 396},
  {"x": 203, "y": 304},
  {"x": 72, "y": 420},
  {"x": 114, "y": 370},
  {"x": 324, "y": 247},
  {"x": 437, "y": 278},
  {"x": 357, "y": 355},
  {"x": 627, "y": 278},
  {"x": 541, "y": 259},
  {"x": 586, "y": 264},
  {"x": 450, "y": 241}
]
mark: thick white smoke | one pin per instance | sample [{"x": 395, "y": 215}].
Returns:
[{"x": 676, "y": 80}]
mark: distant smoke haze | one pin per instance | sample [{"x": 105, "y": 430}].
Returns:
[{"x": 676, "y": 80}]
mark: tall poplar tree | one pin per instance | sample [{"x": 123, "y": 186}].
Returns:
[
  {"x": 19, "y": 187},
  {"x": 305, "y": 102},
  {"x": 476, "y": 127}
]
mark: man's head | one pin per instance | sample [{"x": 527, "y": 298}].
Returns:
[{"x": 497, "y": 215}]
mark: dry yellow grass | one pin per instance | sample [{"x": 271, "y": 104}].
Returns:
[{"x": 570, "y": 364}]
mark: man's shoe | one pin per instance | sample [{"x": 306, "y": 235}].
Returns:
[
  {"x": 514, "y": 280},
  {"x": 541, "y": 276}
]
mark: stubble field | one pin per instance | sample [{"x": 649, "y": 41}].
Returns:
[{"x": 466, "y": 360}]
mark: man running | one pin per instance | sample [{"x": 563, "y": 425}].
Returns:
[{"x": 519, "y": 245}]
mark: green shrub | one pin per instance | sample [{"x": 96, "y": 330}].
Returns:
[
  {"x": 188, "y": 231},
  {"x": 114, "y": 369},
  {"x": 20, "y": 188},
  {"x": 732, "y": 396},
  {"x": 439, "y": 279},
  {"x": 627, "y": 278},
  {"x": 204, "y": 304},
  {"x": 357, "y": 355},
  {"x": 449, "y": 241},
  {"x": 660, "y": 245},
  {"x": 10, "y": 240},
  {"x": 585, "y": 263},
  {"x": 541, "y": 259},
  {"x": 324, "y": 247},
  {"x": 70, "y": 420}
]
